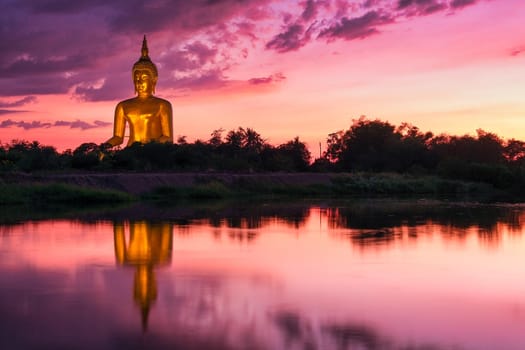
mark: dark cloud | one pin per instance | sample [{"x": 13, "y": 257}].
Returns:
[
  {"x": 40, "y": 85},
  {"x": 77, "y": 124},
  {"x": 57, "y": 46},
  {"x": 421, "y": 7},
  {"x": 297, "y": 32},
  {"x": 426, "y": 7},
  {"x": 35, "y": 124},
  {"x": 181, "y": 16},
  {"x": 36, "y": 66},
  {"x": 213, "y": 78},
  {"x": 18, "y": 103},
  {"x": 356, "y": 28},
  {"x": 60, "y": 6},
  {"x": 275, "y": 78},
  {"x": 9, "y": 111},
  {"x": 402, "y": 4},
  {"x": 291, "y": 39},
  {"x": 370, "y": 3},
  {"x": 7, "y": 123},
  {"x": 190, "y": 57},
  {"x": 203, "y": 53},
  {"x": 116, "y": 86},
  {"x": 311, "y": 8},
  {"x": 313, "y": 22},
  {"x": 462, "y": 3},
  {"x": 62, "y": 46}
]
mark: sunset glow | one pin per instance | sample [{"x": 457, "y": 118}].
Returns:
[{"x": 284, "y": 68}]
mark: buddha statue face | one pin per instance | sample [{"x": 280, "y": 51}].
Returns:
[
  {"x": 144, "y": 73},
  {"x": 144, "y": 82}
]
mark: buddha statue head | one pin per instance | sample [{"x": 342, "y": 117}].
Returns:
[{"x": 144, "y": 66}]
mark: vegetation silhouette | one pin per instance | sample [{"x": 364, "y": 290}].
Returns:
[{"x": 370, "y": 146}]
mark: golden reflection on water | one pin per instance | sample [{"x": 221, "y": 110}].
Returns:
[{"x": 149, "y": 246}]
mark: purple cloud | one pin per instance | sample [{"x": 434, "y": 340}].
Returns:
[
  {"x": 180, "y": 16},
  {"x": 291, "y": 39},
  {"x": 18, "y": 103},
  {"x": 40, "y": 57},
  {"x": 345, "y": 24},
  {"x": 9, "y": 111},
  {"x": 77, "y": 124},
  {"x": 311, "y": 9},
  {"x": 87, "y": 47},
  {"x": 7, "y": 123},
  {"x": 462, "y": 3},
  {"x": 297, "y": 33},
  {"x": 115, "y": 87},
  {"x": 213, "y": 78},
  {"x": 421, "y": 7},
  {"x": 275, "y": 78},
  {"x": 60, "y": 6},
  {"x": 356, "y": 28},
  {"x": 35, "y": 124}
]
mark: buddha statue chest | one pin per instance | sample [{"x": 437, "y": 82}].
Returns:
[{"x": 144, "y": 120}]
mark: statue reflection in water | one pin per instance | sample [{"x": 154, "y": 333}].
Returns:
[{"x": 149, "y": 246}]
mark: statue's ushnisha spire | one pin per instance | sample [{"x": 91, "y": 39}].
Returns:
[
  {"x": 145, "y": 48},
  {"x": 144, "y": 62}
]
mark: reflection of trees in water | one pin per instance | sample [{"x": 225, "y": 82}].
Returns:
[
  {"x": 299, "y": 332},
  {"x": 203, "y": 310},
  {"x": 250, "y": 215},
  {"x": 378, "y": 222},
  {"x": 350, "y": 336},
  {"x": 372, "y": 222},
  {"x": 257, "y": 216}
]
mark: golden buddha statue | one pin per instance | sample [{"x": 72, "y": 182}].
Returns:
[
  {"x": 149, "y": 117},
  {"x": 149, "y": 246}
]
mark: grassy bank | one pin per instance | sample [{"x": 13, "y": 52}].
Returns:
[
  {"x": 210, "y": 187},
  {"x": 347, "y": 185},
  {"x": 58, "y": 194}
]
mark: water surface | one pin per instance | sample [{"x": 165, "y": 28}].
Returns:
[{"x": 370, "y": 274}]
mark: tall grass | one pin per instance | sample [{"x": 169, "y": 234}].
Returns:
[
  {"x": 341, "y": 185},
  {"x": 41, "y": 194},
  {"x": 392, "y": 183}
]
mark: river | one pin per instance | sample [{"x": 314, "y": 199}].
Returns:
[{"x": 360, "y": 274}]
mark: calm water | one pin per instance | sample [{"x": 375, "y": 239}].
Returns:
[{"x": 371, "y": 274}]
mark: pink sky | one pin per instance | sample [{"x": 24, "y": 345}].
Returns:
[{"x": 283, "y": 68}]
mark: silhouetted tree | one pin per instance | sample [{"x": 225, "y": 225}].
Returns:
[
  {"x": 216, "y": 137},
  {"x": 296, "y": 153},
  {"x": 31, "y": 156},
  {"x": 368, "y": 145},
  {"x": 86, "y": 156},
  {"x": 413, "y": 154},
  {"x": 514, "y": 150}
]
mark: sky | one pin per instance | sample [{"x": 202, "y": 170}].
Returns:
[{"x": 302, "y": 68}]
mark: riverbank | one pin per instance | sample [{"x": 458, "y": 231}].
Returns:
[{"x": 91, "y": 188}]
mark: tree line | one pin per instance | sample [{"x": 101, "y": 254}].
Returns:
[
  {"x": 240, "y": 150},
  {"x": 367, "y": 146},
  {"x": 378, "y": 146}
]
